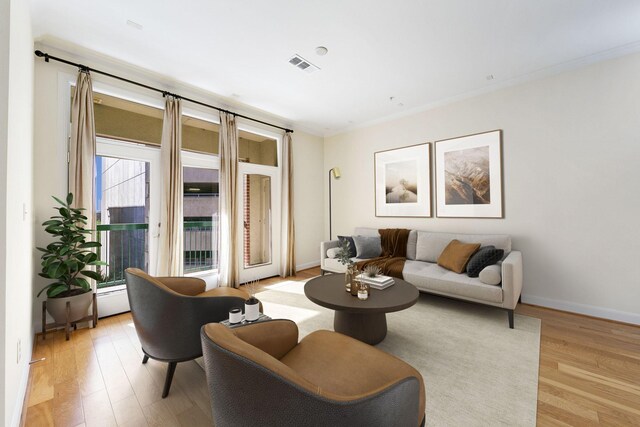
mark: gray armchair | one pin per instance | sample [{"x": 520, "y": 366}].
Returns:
[
  {"x": 168, "y": 313},
  {"x": 260, "y": 374}
]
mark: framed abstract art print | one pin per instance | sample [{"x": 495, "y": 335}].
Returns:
[
  {"x": 469, "y": 176},
  {"x": 403, "y": 181}
]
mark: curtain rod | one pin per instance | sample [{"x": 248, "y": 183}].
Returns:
[{"x": 48, "y": 57}]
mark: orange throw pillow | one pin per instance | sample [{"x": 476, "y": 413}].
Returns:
[{"x": 456, "y": 255}]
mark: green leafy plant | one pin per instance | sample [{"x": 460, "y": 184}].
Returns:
[
  {"x": 66, "y": 259},
  {"x": 343, "y": 254}
]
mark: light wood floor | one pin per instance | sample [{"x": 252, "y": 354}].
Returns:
[{"x": 589, "y": 375}]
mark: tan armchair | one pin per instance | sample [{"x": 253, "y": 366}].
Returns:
[
  {"x": 168, "y": 313},
  {"x": 260, "y": 374}
]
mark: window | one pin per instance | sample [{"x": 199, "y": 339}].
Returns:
[
  {"x": 129, "y": 184},
  {"x": 200, "y": 211},
  {"x": 257, "y": 149}
]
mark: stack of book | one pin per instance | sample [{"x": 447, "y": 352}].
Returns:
[{"x": 377, "y": 282}]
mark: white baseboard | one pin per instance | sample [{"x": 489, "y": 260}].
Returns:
[
  {"x": 22, "y": 392},
  {"x": 589, "y": 310},
  {"x": 307, "y": 265}
]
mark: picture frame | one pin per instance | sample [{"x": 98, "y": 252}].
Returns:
[
  {"x": 469, "y": 176},
  {"x": 403, "y": 181}
]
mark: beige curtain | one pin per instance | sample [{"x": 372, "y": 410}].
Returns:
[
  {"x": 170, "y": 245},
  {"x": 228, "y": 251},
  {"x": 82, "y": 148},
  {"x": 288, "y": 267}
]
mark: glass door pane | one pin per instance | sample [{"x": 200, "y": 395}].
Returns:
[
  {"x": 200, "y": 210},
  {"x": 257, "y": 219},
  {"x": 122, "y": 216}
]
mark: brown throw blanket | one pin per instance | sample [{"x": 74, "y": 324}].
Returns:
[{"x": 394, "y": 252}]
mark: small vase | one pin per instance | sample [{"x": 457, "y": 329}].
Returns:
[
  {"x": 348, "y": 277},
  {"x": 363, "y": 291},
  {"x": 251, "y": 309},
  {"x": 235, "y": 316},
  {"x": 354, "y": 282}
]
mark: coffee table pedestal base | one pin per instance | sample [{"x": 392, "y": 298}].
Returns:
[{"x": 369, "y": 328}]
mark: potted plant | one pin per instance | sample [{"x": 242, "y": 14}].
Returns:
[
  {"x": 66, "y": 261},
  {"x": 344, "y": 259}
]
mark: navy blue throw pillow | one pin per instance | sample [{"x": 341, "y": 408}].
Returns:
[
  {"x": 486, "y": 255},
  {"x": 352, "y": 245}
]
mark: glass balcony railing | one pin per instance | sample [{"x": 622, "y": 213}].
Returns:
[{"x": 126, "y": 245}]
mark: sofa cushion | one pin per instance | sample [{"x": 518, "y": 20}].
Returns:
[
  {"x": 342, "y": 365},
  {"x": 334, "y": 265},
  {"x": 411, "y": 244},
  {"x": 491, "y": 275},
  {"x": 429, "y": 246},
  {"x": 456, "y": 255},
  {"x": 368, "y": 246},
  {"x": 365, "y": 231},
  {"x": 352, "y": 245},
  {"x": 433, "y": 278},
  {"x": 486, "y": 255}
]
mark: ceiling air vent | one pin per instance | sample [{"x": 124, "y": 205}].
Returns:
[{"x": 303, "y": 64}]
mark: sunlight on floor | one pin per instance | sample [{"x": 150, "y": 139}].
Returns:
[
  {"x": 283, "y": 311},
  {"x": 289, "y": 286}
]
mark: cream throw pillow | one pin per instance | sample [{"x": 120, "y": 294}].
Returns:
[
  {"x": 491, "y": 275},
  {"x": 332, "y": 252}
]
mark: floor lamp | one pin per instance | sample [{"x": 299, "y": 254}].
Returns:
[{"x": 336, "y": 174}]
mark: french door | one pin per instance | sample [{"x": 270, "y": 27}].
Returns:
[
  {"x": 259, "y": 221},
  {"x": 127, "y": 211}
]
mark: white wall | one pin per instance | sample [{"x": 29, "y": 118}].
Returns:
[
  {"x": 309, "y": 207},
  {"x": 571, "y": 157},
  {"x": 4, "y": 108},
  {"x": 15, "y": 207}
]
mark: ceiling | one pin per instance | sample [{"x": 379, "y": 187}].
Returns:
[{"x": 385, "y": 58}]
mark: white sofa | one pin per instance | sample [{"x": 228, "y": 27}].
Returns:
[{"x": 428, "y": 276}]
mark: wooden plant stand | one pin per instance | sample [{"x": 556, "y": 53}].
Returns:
[{"x": 93, "y": 318}]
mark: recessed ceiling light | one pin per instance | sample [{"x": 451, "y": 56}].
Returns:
[
  {"x": 134, "y": 25},
  {"x": 321, "y": 50},
  {"x": 489, "y": 77}
]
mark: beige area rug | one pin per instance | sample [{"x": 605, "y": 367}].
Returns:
[{"x": 477, "y": 371}]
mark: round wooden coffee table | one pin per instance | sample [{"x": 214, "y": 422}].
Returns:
[{"x": 363, "y": 320}]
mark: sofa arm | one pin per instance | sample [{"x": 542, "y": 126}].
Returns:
[
  {"x": 324, "y": 247},
  {"x": 511, "y": 279}
]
